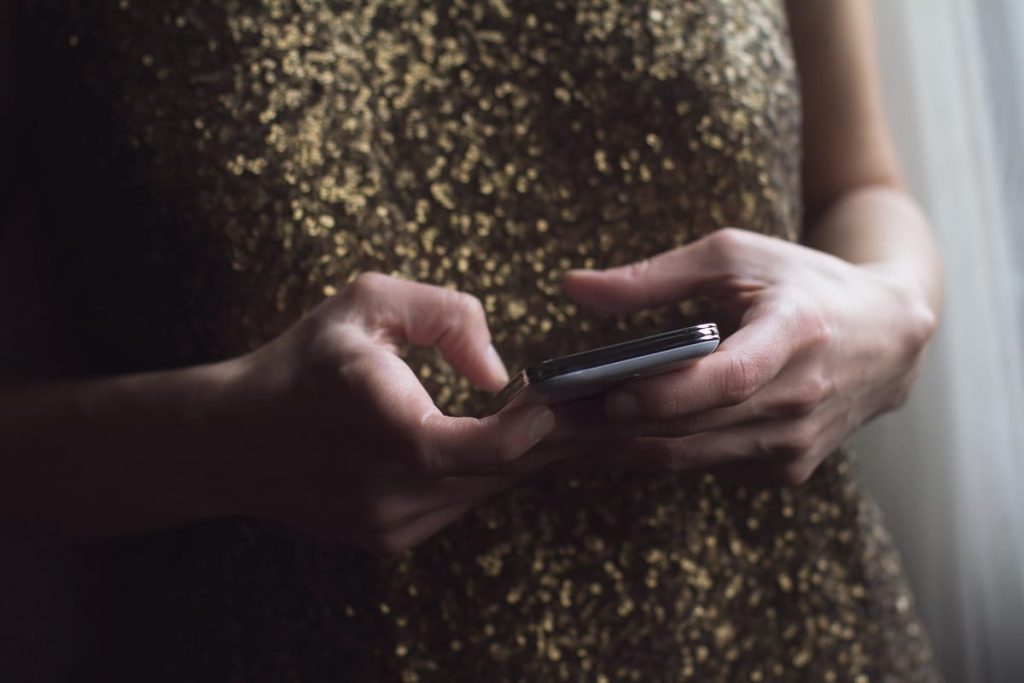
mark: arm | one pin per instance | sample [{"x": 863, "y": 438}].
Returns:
[
  {"x": 323, "y": 428},
  {"x": 857, "y": 206},
  {"x": 831, "y": 332},
  {"x": 85, "y": 458}
]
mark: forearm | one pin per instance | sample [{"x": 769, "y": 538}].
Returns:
[
  {"x": 98, "y": 457},
  {"x": 884, "y": 228}
]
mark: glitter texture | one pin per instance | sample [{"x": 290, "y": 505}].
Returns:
[{"x": 225, "y": 166}]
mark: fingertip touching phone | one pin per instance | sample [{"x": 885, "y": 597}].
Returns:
[{"x": 593, "y": 372}]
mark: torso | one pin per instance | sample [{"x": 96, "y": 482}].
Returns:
[{"x": 221, "y": 170}]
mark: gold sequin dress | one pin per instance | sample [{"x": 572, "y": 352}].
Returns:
[{"x": 206, "y": 172}]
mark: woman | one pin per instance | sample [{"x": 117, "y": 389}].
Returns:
[{"x": 243, "y": 215}]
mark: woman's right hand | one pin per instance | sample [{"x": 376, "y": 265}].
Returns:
[{"x": 331, "y": 432}]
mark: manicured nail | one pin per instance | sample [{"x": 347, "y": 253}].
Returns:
[
  {"x": 541, "y": 425},
  {"x": 494, "y": 361},
  {"x": 622, "y": 406}
]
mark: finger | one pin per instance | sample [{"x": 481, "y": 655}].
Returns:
[
  {"x": 593, "y": 425},
  {"x": 420, "y": 497},
  {"x": 797, "y": 468},
  {"x": 422, "y": 528},
  {"x": 544, "y": 455},
  {"x": 431, "y": 443},
  {"x": 696, "y": 423},
  {"x": 416, "y": 495},
  {"x": 423, "y": 496},
  {"x": 744, "y": 364},
  {"x": 786, "y": 471},
  {"x": 593, "y": 458},
  {"x": 796, "y": 392},
  {"x": 759, "y": 475},
  {"x": 727, "y": 259},
  {"x": 489, "y": 445},
  {"x": 426, "y": 315},
  {"x": 750, "y": 443}
]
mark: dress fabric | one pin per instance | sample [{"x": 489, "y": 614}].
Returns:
[{"x": 208, "y": 172}]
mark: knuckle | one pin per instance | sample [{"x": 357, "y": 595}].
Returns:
[
  {"x": 819, "y": 387},
  {"x": 814, "y": 390},
  {"x": 812, "y": 326},
  {"x": 325, "y": 370},
  {"x": 674, "y": 405},
  {"x": 660, "y": 403},
  {"x": 719, "y": 247},
  {"x": 798, "y": 406},
  {"x": 923, "y": 323},
  {"x": 499, "y": 458},
  {"x": 729, "y": 237},
  {"x": 426, "y": 457},
  {"x": 638, "y": 270},
  {"x": 927, "y": 321},
  {"x": 799, "y": 440},
  {"x": 763, "y": 448},
  {"x": 471, "y": 306},
  {"x": 795, "y": 473},
  {"x": 462, "y": 310},
  {"x": 742, "y": 379},
  {"x": 364, "y": 286},
  {"x": 723, "y": 245},
  {"x": 323, "y": 346}
]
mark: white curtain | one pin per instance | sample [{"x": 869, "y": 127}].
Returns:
[{"x": 949, "y": 468}]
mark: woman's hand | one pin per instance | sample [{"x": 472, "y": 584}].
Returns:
[
  {"x": 334, "y": 434},
  {"x": 823, "y": 345}
]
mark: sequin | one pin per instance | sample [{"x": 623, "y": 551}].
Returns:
[{"x": 237, "y": 162}]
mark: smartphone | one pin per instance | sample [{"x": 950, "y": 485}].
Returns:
[{"x": 594, "y": 372}]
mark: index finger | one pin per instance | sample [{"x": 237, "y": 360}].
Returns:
[
  {"x": 428, "y": 315},
  {"x": 727, "y": 259},
  {"x": 744, "y": 363}
]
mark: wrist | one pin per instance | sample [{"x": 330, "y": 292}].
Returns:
[
  {"x": 113, "y": 455},
  {"x": 917, "y": 307},
  {"x": 883, "y": 231},
  {"x": 221, "y": 422}
]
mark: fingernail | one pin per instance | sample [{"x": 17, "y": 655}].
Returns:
[
  {"x": 622, "y": 406},
  {"x": 494, "y": 361},
  {"x": 541, "y": 425}
]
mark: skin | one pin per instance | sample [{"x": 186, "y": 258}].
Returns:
[
  {"x": 832, "y": 332},
  {"x": 307, "y": 430},
  {"x": 325, "y": 429}
]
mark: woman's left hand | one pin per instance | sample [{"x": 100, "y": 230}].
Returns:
[{"x": 823, "y": 345}]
